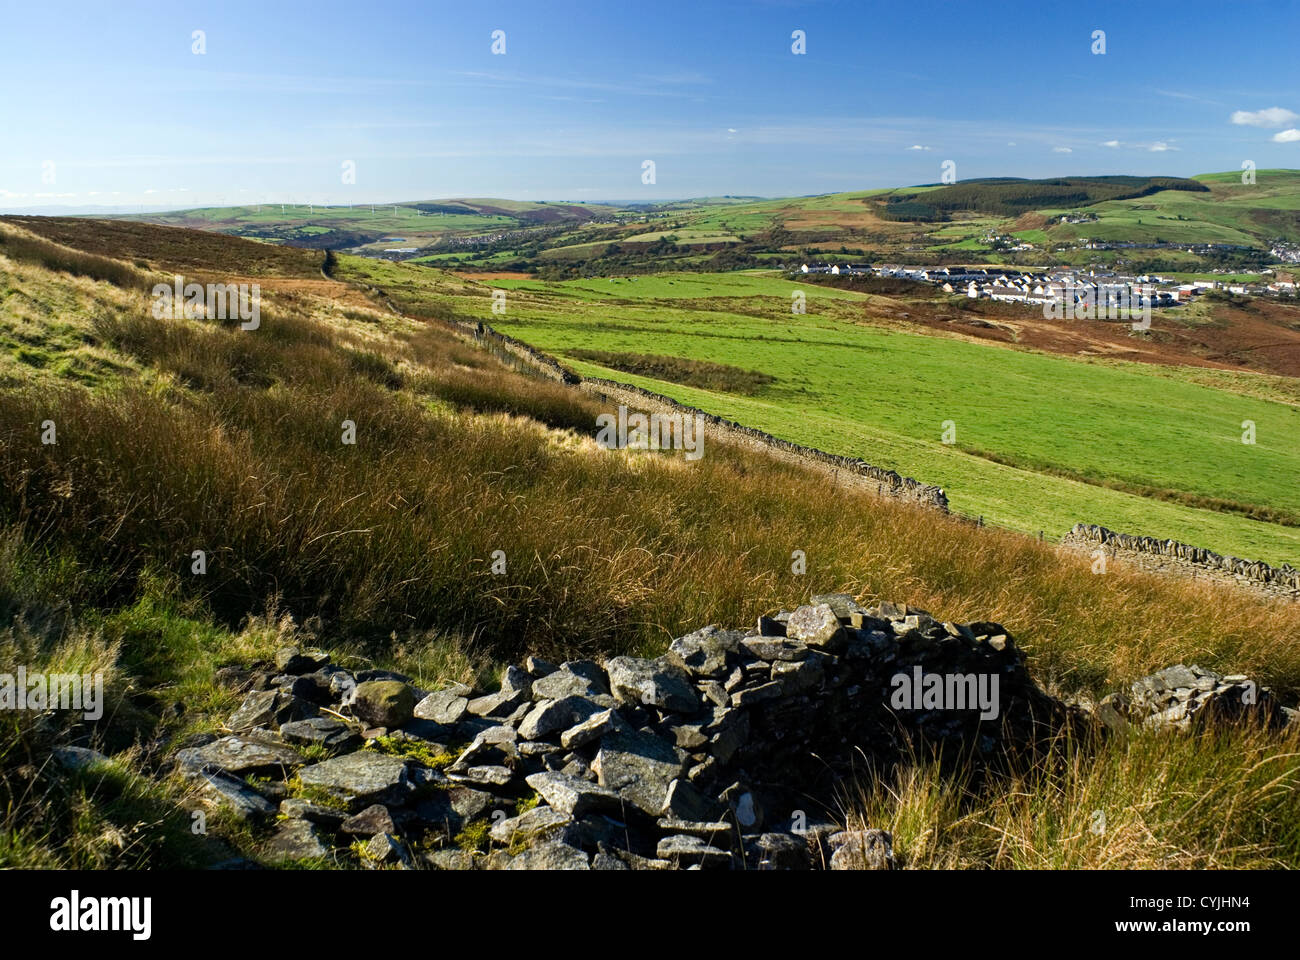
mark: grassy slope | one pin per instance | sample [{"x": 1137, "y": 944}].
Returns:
[
  {"x": 1230, "y": 213},
  {"x": 229, "y": 439},
  {"x": 884, "y": 395}
]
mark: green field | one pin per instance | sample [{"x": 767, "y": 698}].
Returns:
[
  {"x": 855, "y": 389},
  {"x": 567, "y": 240}
]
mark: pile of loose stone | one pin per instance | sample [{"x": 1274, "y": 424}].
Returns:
[
  {"x": 725, "y": 752},
  {"x": 1180, "y": 696}
]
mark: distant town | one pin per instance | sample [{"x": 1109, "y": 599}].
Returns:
[{"x": 1050, "y": 285}]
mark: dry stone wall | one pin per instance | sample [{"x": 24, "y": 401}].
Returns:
[
  {"x": 853, "y": 470},
  {"x": 730, "y": 750},
  {"x": 1172, "y": 556},
  {"x": 1160, "y": 556},
  {"x": 724, "y": 752}
]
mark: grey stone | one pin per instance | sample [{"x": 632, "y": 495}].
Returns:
[
  {"x": 573, "y": 796},
  {"x": 715, "y": 693},
  {"x": 297, "y": 840},
  {"x": 705, "y": 652},
  {"x": 386, "y": 848},
  {"x": 384, "y": 703},
  {"x": 78, "y": 758},
  {"x": 572, "y": 679},
  {"x": 768, "y": 648},
  {"x": 320, "y": 731},
  {"x": 484, "y": 776},
  {"x": 575, "y": 766},
  {"x": 689, "y": 736},
  {"x": 360, "y": 779},
  {"x": 268, "y": 708},
  {"x": 716, "y": 832},
  {"x": 640, "y": 766},
  {"x": 551, "y": 855},
  {"x": 296, "y": 808},
  {"x": 654, "y": 683},
  {"x": 862, "y": 850},
  {"x": 801, "y": 676},
  {"x": 470, "y": 804},
  {"x": 817, "y": 626},
  {"x": 249, "y": 756},
  {"x": 516, "y": 680},
  {"x": 243, "y": 801},
  {"x": 495, "y": 744},
  {"x": 684, "y": 801},
  {"x": 370, "y": 821},
  {"x": 364, "y": 676},
  {"x": 442, "y": 706},
  {"x": 290, "y": 659},
  {"x": 499, "y": 704},
  {"x": 686, "y": 850},
  {"x": 752, "y": 695},
  {"x": 1178, "y": 676},
  {"x": 551, "y": 716},
  {"x": 530, "y": 825},
  {"x": 592, "y": 728},
  {"x": 778, "y": 851},
  {"x": 843, "y": 605},
  {"x": 538, "y": 667},
  {"x": 450, "y": 859}
]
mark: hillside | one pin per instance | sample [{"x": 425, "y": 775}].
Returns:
[
  {"x": 182, "y": 435},
  {"x": 1054, "y": 423},
  {"x": 1213, "y": 222}
]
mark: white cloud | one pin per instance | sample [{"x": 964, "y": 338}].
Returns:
[
  {"x": 1011, "y": 143},
  {"x": 1111, "y": 143},
  {"x": 1287, "y": 136},
  {"x": 1271, "y": 117},
  {"x": 917, "y": 146},
  {"x": 1062, "y": 150},
  {"x": 1160, "y": 147}
]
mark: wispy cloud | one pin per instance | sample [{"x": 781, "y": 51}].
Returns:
[
  {"x": 1179, "y": 95},
  {"x": 644, "y": 85},
  {"x": 1270, "y": 117},
  {"x": 1287, "y": 136}
]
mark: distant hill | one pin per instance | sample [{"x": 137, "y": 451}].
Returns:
[
  {"x": 1155, "y": 223},
  {"x": 1009, "y": 197}
]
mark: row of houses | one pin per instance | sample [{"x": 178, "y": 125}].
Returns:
[
  {"x": 1041, "y": 287},
  {"x": 1009, "y": 284}
]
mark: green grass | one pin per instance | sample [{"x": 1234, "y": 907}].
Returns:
[
  {"x": 229, "y": 440},
  {"x": 884, "y": 395}
]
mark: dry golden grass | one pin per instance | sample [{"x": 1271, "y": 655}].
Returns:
[
  {"x": 1225, "y": 799},
  {"x": 229, "y": 441}
]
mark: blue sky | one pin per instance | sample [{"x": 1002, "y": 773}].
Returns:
[{"x": 111, "y": 104}]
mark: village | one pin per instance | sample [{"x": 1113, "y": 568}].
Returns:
[{"x": 1052, "y": 285}]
